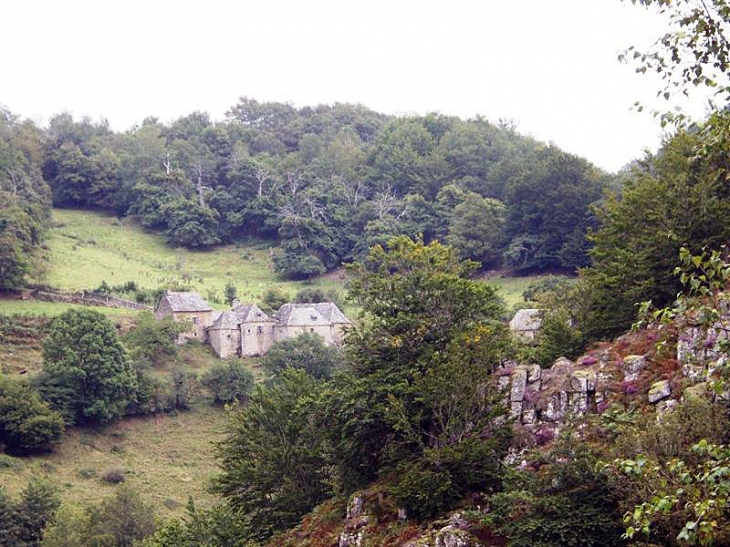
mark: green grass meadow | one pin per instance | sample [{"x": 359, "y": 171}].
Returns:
[{"x": 86, "y": 248}]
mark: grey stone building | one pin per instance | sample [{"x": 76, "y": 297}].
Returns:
[
  {"x": 526, "y": 323},
  {"x": 187, "y": 306},
  {"x": 246, "y": 330}
]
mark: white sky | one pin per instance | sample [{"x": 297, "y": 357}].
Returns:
[{"x": 549, "y": 65}]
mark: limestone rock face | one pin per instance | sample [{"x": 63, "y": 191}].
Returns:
[
  {"x": 632, "y": 366},
  {"x": 356, "y": 519},
  {"x": 659, "y": 390},
  {"x": 519, "y": 384}
]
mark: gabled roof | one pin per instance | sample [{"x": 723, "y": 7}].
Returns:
[
  {"x": 185, "y": 301},
  {"x": 226, "y": 321},
  {"x": 246, "y": 313},
  {"x": 251, "y": 313},
  {"x": 527, "y": 319},
  {"x": 310, "y": 315}
]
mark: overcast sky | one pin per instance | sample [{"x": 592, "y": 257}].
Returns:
[{"x": 549, "y": 65}]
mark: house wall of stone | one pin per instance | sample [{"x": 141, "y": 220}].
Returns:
[
  {"x": 256, "y": 338},
  {"x": 328, "y": 332},
  {"x": 226, "y": 342},
  {"x": 199, "y": 321}
]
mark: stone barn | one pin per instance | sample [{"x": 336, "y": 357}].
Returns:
[
  {"x": 244, "y": 331},
  {"x": 526, "y": 323},
  {"x": 323, "y": 318},
  {"x": 187, "y": 306}
]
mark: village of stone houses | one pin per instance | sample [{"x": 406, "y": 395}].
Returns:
[{"x": 245, "y": 330}]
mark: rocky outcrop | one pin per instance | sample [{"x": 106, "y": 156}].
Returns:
[
  {"x": 659, "y": 390},
  {"x": 455, "y": 533}
]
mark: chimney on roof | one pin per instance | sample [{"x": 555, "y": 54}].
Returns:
[{"x": 236, "y": 302}]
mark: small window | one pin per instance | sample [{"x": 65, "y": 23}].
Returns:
[
  {"x": 195, "y": 320},
  {"x": 229, "y": 336},
  {"x": 311, "y": 330},
  {"x": 260, "y": 330},
  {"x": 249, "y": 331}
]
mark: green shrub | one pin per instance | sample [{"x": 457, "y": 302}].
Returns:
[
  {"x": 306, "y": 352},
  {"x": 27, "y": 424},
  {"x": 228, "y": 382}
]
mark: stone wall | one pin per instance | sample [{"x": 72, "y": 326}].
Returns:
[
  {"x": 84, "y": 298},
  {"x": 256, "y": 338},
  {"x": 225, "y": 342}
]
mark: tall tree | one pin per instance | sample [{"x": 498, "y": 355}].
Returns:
[{"x": 87, "y": 374}]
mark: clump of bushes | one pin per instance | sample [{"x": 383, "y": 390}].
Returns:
[
  {"x": 114, "y": 476},
  {"x": 228, "y": 382}
]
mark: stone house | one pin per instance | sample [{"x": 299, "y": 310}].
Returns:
[
  {"x": 187, "y": 306},
  {"x": 526, "y": 323},
  {"x": 246, "y": 330},
  {"x": 323, "y": 318}
]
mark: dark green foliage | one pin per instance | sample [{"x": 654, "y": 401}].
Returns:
[
  {"x": 87, "y": 375},
  {"x": 273, "y": 299},
  {"x": 184, "y": 387},
  {"x": 24, "y": 201},
  {"x": 27, "y": 424},
  {"x": 37, "y": 505},
  {"x": 22, "y": 522},
  {"x": 325, "y": 183},
  {"x": 306, "y": 352},
  {"x": 120, "y": 520},
  {"x": 151, "y": 340},
  {"x": 312, "y": 295},
  {"x": 218, "y": 525},
  {"x": 678, "y": 198},
  {"x": 565, "y": 306},
  {"x": 9, "y": 529},
  {"x": 298, "y": 264},
  {"x": 476, "y": 229},
  {"x": 421, "y": 356},
  {"x": 228, "y": 382},
  {"x": 272, "y": 460},
  {"x": 231, "y": 293},
  {"x": 567, "y": 503},
  {"x": 548, "y": 200}
]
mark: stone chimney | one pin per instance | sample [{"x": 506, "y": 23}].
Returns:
[{"x": 236, "y": 302}]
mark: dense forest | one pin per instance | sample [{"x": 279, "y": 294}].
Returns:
[{"x": 328, "y": 182}]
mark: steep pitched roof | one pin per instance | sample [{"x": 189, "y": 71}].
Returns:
[
  {"x": 246, "y": 313},
  {"x": 186, "y": 301},
  {"x": 527, "y": 319},
  {"x": 310, "y": 315},
  {"x": 251, "y": 313},
  {"x": 226, "y": 321}
]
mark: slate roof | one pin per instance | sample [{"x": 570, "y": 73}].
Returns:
[
  {"x": 186, "y": 301},
  {"x": 246, "y": 313},
  {"x": 526, "y": 320},
  {"x": 310, "y": 315}
]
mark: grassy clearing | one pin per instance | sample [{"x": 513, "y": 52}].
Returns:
[
  {"x": 52, "y": 309},
  {"x": 86, "y": 248},
  {"x": 511, "y": 288},
  {"x": 167, "y": 458}
]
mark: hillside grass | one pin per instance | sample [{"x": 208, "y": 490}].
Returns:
[
  {"x": 86, "y": 248},
  {"x": 166, "y": 457},
  {"x": 52, "y": 309}
]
